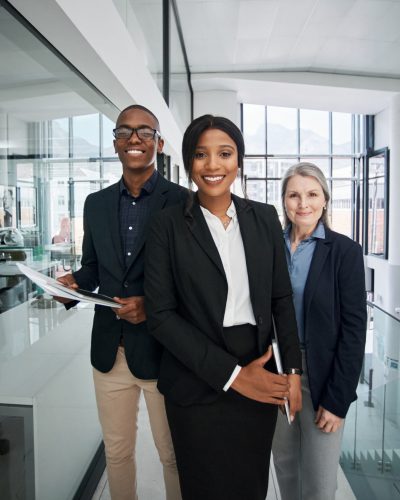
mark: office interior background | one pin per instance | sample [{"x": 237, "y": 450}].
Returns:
[{"x": 315, "y": 80}]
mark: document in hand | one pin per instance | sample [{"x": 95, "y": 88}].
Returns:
[
  {"x": 55, "y": 288},
  {"x": 278, "y": 361}
]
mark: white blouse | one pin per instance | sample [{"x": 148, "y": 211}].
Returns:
[{"x": 238, "y": 310}]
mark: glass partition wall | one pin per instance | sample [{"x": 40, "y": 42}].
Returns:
[
  {"x": 278, "y": 137},
  {"x": 370, "y": 455},
  {"x": 55, "y": 148}
]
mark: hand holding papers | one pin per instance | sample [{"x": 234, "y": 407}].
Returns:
[{"x": 55, "y": 288}]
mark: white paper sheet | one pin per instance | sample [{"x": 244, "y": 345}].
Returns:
[
  {"x": 278, "y": 361},
  {"x": 56, "y": 289}
]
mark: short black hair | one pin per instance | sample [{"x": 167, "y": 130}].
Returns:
[
  {"x": 142, "y": 108},
  {"x": 200, "y": 125}
]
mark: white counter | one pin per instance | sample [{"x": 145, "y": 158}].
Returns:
[{"x": 45, "y": 364}]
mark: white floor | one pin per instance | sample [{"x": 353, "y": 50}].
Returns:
[{"x": 150, "y": 484}]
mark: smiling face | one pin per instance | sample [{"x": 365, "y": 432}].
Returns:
[
  {"x": 215, "y": 163},
  {"x": 137, "y": 154},
  {"x": 304, "y": 202}
]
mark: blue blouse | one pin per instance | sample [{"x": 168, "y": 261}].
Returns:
[{"x": 299, "y": 264}]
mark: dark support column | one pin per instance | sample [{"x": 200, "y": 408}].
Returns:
[{"x": 166, "y": 50}]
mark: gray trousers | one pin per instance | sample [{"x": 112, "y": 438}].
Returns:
[{"x": 305, "y": 458}]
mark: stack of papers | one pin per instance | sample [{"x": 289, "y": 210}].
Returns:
[{"x": 55, "y": 288}]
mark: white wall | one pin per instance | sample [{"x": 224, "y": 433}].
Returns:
[
  {"x": 382, "y": 129},
  {"x": 217, "y": 102}
]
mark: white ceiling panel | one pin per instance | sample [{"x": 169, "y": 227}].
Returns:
[
  {"x": 332, "y": 37},
  {"x": 262, "y": 14},
  {"x": 249, "y": 52},
  {"x": 371, "y": 20},
  {"x": 293, "y": 16},
  {"x": 331, "y": 10},
  {"x": 277, "y": 50}
]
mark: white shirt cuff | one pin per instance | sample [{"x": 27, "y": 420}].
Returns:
[{"x": 235, "y": 373}]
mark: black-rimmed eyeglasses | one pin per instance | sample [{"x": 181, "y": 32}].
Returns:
[{"x": 144, "y": 133}]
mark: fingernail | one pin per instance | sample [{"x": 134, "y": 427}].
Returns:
[{"x": 291, "y": 418}]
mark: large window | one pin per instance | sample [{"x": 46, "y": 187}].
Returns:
[{"x": 278, "y": 137}]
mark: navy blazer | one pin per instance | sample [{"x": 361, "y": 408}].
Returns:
[
  {"x": 335, "y": 322},
  {"x": 186, "y": 292},
  {"x": 103, "y": 266}
]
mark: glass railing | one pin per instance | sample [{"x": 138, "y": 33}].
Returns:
[{"x": 370, "y": 455}]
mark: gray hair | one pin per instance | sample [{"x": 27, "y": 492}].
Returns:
[{"x": 306, "y": 169}]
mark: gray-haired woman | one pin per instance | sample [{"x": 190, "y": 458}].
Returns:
[{"x": 327, "y": 275}]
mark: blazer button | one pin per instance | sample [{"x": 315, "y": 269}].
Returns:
[
  {"x": 259, "y": 320},
  {"x": 126, "y": 284}
]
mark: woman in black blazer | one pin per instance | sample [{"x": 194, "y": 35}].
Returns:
[
  {"x": 327, "y": 275},
  {"x": 215, "y": 273}
]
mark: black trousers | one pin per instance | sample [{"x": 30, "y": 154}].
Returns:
[{"x": 223, "y": 448}]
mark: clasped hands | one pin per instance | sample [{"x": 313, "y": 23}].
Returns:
[
  {"x": 327, "y": 421},
  {"x": 132, "y": 309},
  {"x": 254, "y": 382}
]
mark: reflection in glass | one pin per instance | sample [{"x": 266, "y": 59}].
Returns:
[
  {"x": 59, "y": 137},
  {"x": 27, "y": 206},
  {"x": 86, "y": 136},
  {"x": 107, "y": 143},
  {"x": 254, "y": 129},
  {"x": 56, "y": 192},
  {"x": 341, "y": 207},
  {"x": 341, "y": 133},
  {"x": 314, "y": 132},
  {"x": 36, "y": 161},
  {"x": 282, "y": 130},
  {"x": 143, "y": 20}
]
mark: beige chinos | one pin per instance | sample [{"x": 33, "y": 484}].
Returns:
[{"x": 117, "y": 394}]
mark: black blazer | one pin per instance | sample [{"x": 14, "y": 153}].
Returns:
[
  {"x": 186, "y": 292},
  {"x": 103, "y": 265},
  {"x": 335, "y": 322}
]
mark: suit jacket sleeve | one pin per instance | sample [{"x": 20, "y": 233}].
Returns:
[
  {"x": 342, "y": 383},
  {"x": 282, "y": 303},
  {"x": 183, "y": 339}
]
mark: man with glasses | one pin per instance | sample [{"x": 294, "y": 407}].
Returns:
[{"x": 124, "y": 356}]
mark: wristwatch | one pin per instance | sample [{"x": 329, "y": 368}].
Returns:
[{"x": 293, "y": 371}]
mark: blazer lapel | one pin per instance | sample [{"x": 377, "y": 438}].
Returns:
[
  {"x": 112, "y": 207},
  {"x": 254, "y": 252},
  {"x": 198, "y": 227},
  {"x": 322, "y": 249}
]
